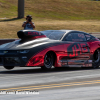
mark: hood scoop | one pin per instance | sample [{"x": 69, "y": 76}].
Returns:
[{"x": 29, "y": 34}]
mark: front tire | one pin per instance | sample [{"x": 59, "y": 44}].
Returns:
[
  {"x": 9, "y": 67},
  {"x": 96, "y": 59},
  {"x": 48, "y": 61}
]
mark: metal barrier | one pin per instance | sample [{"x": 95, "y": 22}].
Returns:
[
  {"x": 96, "y": 34},
  {"x": 2, "y": 41}
]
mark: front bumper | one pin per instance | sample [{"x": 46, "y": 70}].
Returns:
[{"x": 13, "y": 60}]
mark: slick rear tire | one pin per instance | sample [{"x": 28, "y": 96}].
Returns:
[
  {"x": 48, "y": 61},
  {"x": 9, "y": 67},
  {"x": 96, "y": 59}
]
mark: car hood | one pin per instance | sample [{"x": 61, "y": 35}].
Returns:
[{"x": 27, "y": 44}]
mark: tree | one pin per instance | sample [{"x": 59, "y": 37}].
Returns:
[{"x": 20, "y": 8}]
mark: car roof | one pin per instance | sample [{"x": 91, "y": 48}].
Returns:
[{"x": 65, "y": 31}]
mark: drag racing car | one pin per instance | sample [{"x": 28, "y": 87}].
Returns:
[{"x": 58, "y": 48}]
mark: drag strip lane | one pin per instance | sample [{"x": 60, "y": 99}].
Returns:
[
  {"x": 32, "y": 77},
  {"x": 61, "y": 84}
]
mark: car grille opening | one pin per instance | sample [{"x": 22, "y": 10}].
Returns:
[
  {"x": 11, "y": 60},
  {"x": 0, "y": 60}
]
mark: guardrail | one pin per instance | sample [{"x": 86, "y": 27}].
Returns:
[
  {"x": 96, "y": 34},
  {"x": 2, "y": 41}
]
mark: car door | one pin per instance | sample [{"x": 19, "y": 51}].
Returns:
[{"x": 78, "y": 50}]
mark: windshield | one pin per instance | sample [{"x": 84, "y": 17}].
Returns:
[{"x": 55, "y": 35}]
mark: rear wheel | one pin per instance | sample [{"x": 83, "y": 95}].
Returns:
[
  {"x": 9, "y": 67},
  {"x": 96, "y": 59},
  {"x": 48, "y": 61}
]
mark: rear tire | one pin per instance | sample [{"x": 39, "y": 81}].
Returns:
[
  {"x": 48, "y": 61},
  {"x": 9, "y": 67},
  {"x": 96, "y": 59}
]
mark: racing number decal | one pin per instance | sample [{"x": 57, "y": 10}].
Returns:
[{"x": 77, "y": 49}]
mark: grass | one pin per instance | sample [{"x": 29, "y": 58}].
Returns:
[
  {"x": 53, "y": 9},
  {"x": 64, "y": 9},
  {"x": 8, "y": 29},
  {"x": 83, "y": 15}
]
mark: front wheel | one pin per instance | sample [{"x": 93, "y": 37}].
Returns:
[
  {"x": 48, "y": 61},
  {"x": 96, "y": 59},
  {"x": 8, "y": 67}
]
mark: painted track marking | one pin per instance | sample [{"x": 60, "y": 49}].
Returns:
[{"x": 53, "y": 85}]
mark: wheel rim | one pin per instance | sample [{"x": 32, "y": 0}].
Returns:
[{"x": 48, "y": 60}]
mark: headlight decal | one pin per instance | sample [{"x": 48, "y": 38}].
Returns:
[{"x": 23, "y": 51}]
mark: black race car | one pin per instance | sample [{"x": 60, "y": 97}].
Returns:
[{"x": 58, "y": 48}]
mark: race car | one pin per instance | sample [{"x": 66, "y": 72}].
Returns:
[{"x": 58, "y": 48}]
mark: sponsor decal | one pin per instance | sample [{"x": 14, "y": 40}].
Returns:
[
  {"x": 75, "y": 49},
  {"x": 81, "y": 35},
  {"x": 34, "y": 33}
]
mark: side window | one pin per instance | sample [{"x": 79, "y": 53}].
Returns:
[
  {"x": 68, "y": 37},
  {"x": 78, "y": 37},
  {"x": 90, "y": 37}
]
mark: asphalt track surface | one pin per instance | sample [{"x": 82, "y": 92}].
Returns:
[{"x": 56, "y": 84}]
